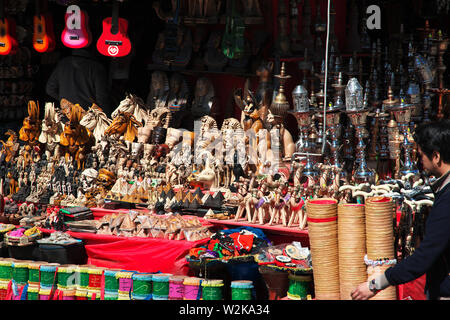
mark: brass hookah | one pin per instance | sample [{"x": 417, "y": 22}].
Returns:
[{"x": 440, "y": 91}]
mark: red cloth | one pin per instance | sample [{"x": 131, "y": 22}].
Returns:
[
  {"x": 242, "y": 241},
  {"x": 135, "y": 253},
  {"x": 412, "y": 290}
]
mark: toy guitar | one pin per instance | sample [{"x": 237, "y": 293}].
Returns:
[
  {"x": 76, "y": 33},
  {"x": 8, "y": 42},
  {"x": 43, "y": 36},
  {"x": 114, "y": 41}
]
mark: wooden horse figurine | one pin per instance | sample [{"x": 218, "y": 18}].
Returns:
[
  {"x": 96, "y": 121},
  {"x": 296, "y": 203},
  {"x": 11, "y": 146},
  {"x": 51, "y": 131},
  {"x": 31, "y": 125},
  {"x": 76, "y": 139},
  {"x": 124, "y": 124}
]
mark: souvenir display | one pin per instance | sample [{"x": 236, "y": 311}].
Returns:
[{"x": 260, "y": 156}]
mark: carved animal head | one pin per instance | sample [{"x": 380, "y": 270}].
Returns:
[
  {"x": 124, "y": 124},
  {"x": 134, "y": 105},
  {"x": 159, "y": 117},
  {"x": 31, "y": 124},
  {"x": 96, "y": 121}
]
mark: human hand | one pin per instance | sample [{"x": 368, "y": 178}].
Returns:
[{"x": 362, "y": 292}]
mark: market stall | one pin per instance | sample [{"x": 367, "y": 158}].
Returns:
[{"x": 240, "y": 150}]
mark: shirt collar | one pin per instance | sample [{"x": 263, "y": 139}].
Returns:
[{"x": 440, "y": 183}]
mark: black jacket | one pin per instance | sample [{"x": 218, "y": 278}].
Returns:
[
  {"x": 80, "y": 79},
  {"x": 433, "y": 254}
]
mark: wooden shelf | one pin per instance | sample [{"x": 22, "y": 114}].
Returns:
[
  {"x": 273, "y": 228},
  {"x": 153, "y": 67}
]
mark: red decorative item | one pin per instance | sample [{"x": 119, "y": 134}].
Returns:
[
  {"x": 8, "y": 42},
  {"x": 76, "y": 33},
  {"x": 114, "y": 41},
  {"x": 43, "y": 35}
]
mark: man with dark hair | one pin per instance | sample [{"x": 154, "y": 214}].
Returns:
[{"x": 432, "y": 257}]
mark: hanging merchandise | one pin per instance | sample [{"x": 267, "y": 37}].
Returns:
[
  {"x": 76, "y": 33},
  {"x": 114, "y": 41},
  {"x": 8, "y": 41},
  {"x": 43, "y": 35}
]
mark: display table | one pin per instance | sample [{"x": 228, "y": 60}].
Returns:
[{"x": 136, "y": 253}]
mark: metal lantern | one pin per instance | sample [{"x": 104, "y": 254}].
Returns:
[
  {"x": 353, "y": 95},
  {"x": 300, "y": 99}
]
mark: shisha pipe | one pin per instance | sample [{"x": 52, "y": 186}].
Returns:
[{"x": 295, "y": 154}]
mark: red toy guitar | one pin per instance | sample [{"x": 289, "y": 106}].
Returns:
[
  {"x": 76, "y": 33},
  {"x": 43, "y": 36},
  {"x": 8, "y": 42},
  {"x": 114, "y": 41}
]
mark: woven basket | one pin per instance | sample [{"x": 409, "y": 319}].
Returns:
[
  {"x": 390, "y": 292},
  {"x": 379, "y": 228},
  {"x": 352, "y": 247},
  {"x": 323, "y": 240}
]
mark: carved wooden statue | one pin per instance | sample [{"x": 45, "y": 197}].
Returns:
[
  {"x": 11, "y": 146},
  {"x": 124, "y": 124},
  {"x": 51, "y": 131},
  {"x": 31, "y": 125},
  {"x": 76, "y": 140},
  {"x": 96, "y": 121}
]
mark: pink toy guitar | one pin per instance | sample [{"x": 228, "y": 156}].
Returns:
[{"x": 76, "y": 33}]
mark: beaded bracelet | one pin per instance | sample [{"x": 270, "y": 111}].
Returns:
[{"x": 379, "y": 262}]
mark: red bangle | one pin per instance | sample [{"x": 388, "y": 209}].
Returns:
[{"x": 321, "y": 220}]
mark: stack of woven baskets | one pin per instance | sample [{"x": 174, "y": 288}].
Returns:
[{"x": 341, "y": 236}]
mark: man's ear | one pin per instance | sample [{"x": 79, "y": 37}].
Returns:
[{"x": 437, "y": 157}]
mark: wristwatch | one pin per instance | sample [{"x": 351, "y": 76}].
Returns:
[{"x": 372, "y": 286}]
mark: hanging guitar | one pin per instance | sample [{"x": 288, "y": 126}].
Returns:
[
  {"x": 233, "y": 41},
  {"x": 170, "y": 44},
  {"x": 114, "y": 41},
  {"x": 76, "y": 33},
  {"x": 43, "y": 35},
  {"x": 8, "y": 42}
]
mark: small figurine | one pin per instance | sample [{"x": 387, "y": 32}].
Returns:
[
  {"x": 96, "y": 121},
  {"x": 31, "y": 125}
]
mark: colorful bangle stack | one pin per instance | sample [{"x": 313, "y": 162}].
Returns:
[
  {"x": 3, "y": 289},
  {"x": 111, "y": 286},
  {"x": 48, "y": 274},
  {"x": 44, "y": 294},
  {"x": 299, "y": 286},
  {"x": 33, "y": 273},
  {"x": 20, "y": 272},
  {"x": 241, "y": 290},
  {"x": 82, "y": 276},
  {"x": 142, "y": 286},
  {"x": 379, "y": 262},
  {"x": 66, "y": 277},
  {"x": 33, "y": 292},
  {"x": 68, "y": 294},
  {"x": 161, "y": 286},
  {"x": 192, "y": 288},
  {"x": 6, "y": 269},
  {"x": 176, "y": 287},
  {"x": 81, "y": 294},
  {"x": 212, "y": 289},
  {"x": 125, "y": 284},
  {"x": 95, "y": 283}
]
